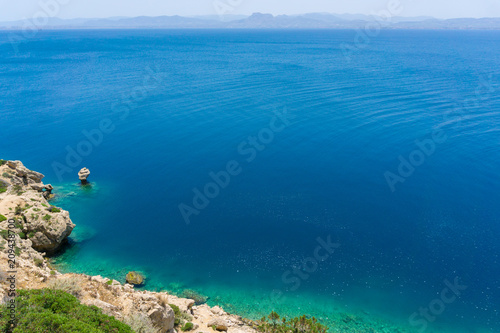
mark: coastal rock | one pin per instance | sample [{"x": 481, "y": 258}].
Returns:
[
  {"x": 219, "y": 324},
  {"x": 26, "y": 201},
  {"x": 162, "y": 317},
  {"x": 28, "y": 176},
  {"x": 184, "y": 304},
  {"x": 83, "y": 175},
  {"x": 46, "y": 190},
  {"x": 30, "y": 209},
  {"x": 50, "y": 230},
  {"x": 135, "y": 278}
]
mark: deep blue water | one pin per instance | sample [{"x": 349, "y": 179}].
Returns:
[{"x": 178, "y": 105}]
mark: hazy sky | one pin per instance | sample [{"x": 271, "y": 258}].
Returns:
[{"x": 18, "y": 9}]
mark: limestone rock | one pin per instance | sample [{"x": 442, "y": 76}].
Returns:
[
  {"x": 45, "y": 189},
  {"x": 50, "y": 230},
  {"x": 83, "y": 175},
  {"x": 46, "y": 230},
  {"x": 219, "y": 324},
  {"x": 162, "y": 317},
  {"x": 28, "y": 176}
]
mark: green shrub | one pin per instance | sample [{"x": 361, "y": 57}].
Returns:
[
  {"x": 110, "y": 282},
  {"x": 187, "y": 327},
  {"x": 55, "y": 311},
  {"x": 181, "y": 317},
  {"x": 2, "y": 162},
  {"x": 2, "y": 218},
  {"x": 6, "y": 175},
  {"x": 47, "y": 217},
  {"x": 177, "y": 314},
  {"x": 18, "y": 210},
  {"x": 17, "y": 251},
  {"x": 3, "y": 187},
  {"x": 44, "y": 205},
  {"x": 176, "y": 309},
  {"x": 38, "y": 262},
  {"x": 4, "y": 234},
  {"x": 54, "y": 209},
  {"x": 274, "y": 324},
  {"x": 22, "y": 235},
  {"x": 31, "y": 234},
  {"x": 18, "y": 189}
]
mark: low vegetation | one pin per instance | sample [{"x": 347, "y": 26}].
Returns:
[
  {"x": 140, "y": 323},
  {"x": 38, "y": 262},
  {"x": 2, "y": 218},
  {"x": 55, "y": 311},
  {"x": 18, "y": 189},
  {"x": 54, "y": 209},
  {"x": 3, "y": 187},
  {"x": 181, "y": 318},
  {"x": 69, "y": 285},
  {"x": 187, "y": 327}
]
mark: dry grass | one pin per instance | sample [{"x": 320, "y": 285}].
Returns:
[
  {"x": 140, "y": 323},
  {"x": 162, "y": 299},
  {"x": 71, "y": 285}
]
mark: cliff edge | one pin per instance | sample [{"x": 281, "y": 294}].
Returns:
[{"x": 31, "y": 228}]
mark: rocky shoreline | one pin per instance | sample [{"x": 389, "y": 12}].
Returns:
[{"x": 31, "y": 228}]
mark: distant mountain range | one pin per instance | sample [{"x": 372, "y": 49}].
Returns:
[{"x": 263, "y": 21}]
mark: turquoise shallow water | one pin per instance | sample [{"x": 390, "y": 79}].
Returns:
[{"x": 174, "y": 106}]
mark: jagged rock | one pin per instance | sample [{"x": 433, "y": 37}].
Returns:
[
  {"x": 28, "y": 176},
  {"x": 134, "y": 278},
  {"x": 83, "y": 175},
  {"x": 50, "y": 230},
  {"x": 184, "y": 304},
  {"x": 40, "y": 187},
  {"x": 217, "y": 310},
  {"x": 46, "y": 231},
  {"x": 162, "y": 317}
]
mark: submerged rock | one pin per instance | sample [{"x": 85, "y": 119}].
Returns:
[
  {"x": 195, "y": 296},
  {"x": 135, "y": 278},
  {"x": 83, "y": 175}
]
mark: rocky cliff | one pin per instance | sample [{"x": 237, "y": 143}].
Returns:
[{"x": 30, "y": 228}]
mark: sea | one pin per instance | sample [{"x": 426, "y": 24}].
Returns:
[{"x": 348, "y": 175}]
